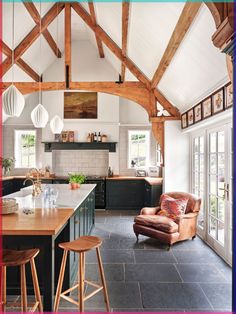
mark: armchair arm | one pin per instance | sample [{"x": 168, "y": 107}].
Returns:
[
  {"x": 180, "y": 219},
  {"x": 149, "y": 210}
]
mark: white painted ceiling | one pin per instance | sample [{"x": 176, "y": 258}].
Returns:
[{"x": 196, "y": 69}]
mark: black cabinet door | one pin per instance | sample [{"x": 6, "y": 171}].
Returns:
[
  {"x": 7, "y": 187},
  {"x": 60, "y": 181},
  {"x": 152, "y": 195},
  {"x": 125, "y": 194}
]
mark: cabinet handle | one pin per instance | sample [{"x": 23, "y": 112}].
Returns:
[{"x": 76, "y": 222}]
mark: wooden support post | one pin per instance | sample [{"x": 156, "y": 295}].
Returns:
[
  {"x": 67, "y": 45},
  {"x": 158, "y": 129}
]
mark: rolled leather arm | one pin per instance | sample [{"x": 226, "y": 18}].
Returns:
[
  {"x": 186, "y": 216},
  {"x": 149, "y": 210}
]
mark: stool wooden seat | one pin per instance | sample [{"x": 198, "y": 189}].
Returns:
[
  {"x": 20, "y": 258},
  {"x": 81, "y": 246}
]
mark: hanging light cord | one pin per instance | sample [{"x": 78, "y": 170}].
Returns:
[
  {"x": 13, "y": 40},
  {"x": 40, "y": 49}
]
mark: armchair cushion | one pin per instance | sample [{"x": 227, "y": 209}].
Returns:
[
  {"x": 172, "y": 208},
  {"x": 162, "y": 223}
]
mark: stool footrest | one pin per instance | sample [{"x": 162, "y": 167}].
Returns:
[
  {"x": 92, "y": 284},
  {"x": 69, "y": 299},
  {"x": 93, "y": 293},
  {"x": 70, "y": 289},
  {"x": 31, "y": 306}
]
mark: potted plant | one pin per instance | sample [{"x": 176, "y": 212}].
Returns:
[
  {"x": 7, "y": 164},
  {"x": 76, "y": 180}
]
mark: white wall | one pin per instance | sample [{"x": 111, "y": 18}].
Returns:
[
  {"x": 177, "y": 154},
  {"x": 132, "y": 113}
]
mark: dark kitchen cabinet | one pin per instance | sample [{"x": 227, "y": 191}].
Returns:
[
  {"x": 60, "y": 181},
  {"x": 125, "y": 194},
  {"x": 131, "y": 194},
  {"x": 81, "y": 223},
  {"x": 13, "y": 185},
  {"x": 152, "y": 195}
]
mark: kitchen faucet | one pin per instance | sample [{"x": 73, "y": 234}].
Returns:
[{"x": 37, "y": 188}]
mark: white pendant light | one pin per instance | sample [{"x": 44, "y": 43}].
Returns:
[
  {"x": 56, "y": 125},
  {"x": 39, "y": 116},
  {"x": 13, "y": 102}
]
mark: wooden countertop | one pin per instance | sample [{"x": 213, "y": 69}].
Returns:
[
  {"x": 150, "y": 180},
  {"x": 31, "y": 177},
  {"x": 43, "y": 221}
]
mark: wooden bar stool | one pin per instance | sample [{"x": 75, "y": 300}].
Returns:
[
  {"x": 20, "y": 258},
  {"x": 82, "y": 245}
]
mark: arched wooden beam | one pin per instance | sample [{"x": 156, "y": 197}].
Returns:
[
  {"x": 135, "y": 91},
  {"x": 215, "y": 9}
]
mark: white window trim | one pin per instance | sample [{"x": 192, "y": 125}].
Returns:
[
  {"x": 148, "y": 150},
  {"x": 15, "y": 138}
]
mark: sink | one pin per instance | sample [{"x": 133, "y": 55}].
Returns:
[{"x": 23, "y": 193}]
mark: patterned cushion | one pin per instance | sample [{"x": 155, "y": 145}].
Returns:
[{"x": 172, "y": 208}]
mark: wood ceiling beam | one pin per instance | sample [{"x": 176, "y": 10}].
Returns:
[
  {"x": 93, "y": 16},
  {"x": 30, "y": 7},
  {"x": 21, "y": 63},
  {"x": 33, "y": 35},
  {"x": 185, "y": 20},
  {"x": 67, "y": 44},
  {"x": 125, "y": 26},
  {"x": 104, "y": 37}
]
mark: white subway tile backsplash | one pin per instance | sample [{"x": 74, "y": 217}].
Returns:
[{"x": 86, "y": 162}]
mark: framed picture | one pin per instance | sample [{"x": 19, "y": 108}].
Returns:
[
  {"x": 80, "y": 105},
  {"x": 197, "y": 113},
  {"x": 218, "y": 101},
  {"x": 228, "y": 95},
  {"x": 190, "y": 117},
  {"x": 71, "y": 136},
  {"x": 64, "y": 136},
  {"x": 206, "y": 108},
  {"x": 184, "y": 123}
]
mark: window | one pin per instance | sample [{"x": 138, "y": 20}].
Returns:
[
  {"x": 198, "y": 174},
  {"x": 139, "y": 147},
  {"x": 25, "y": 148}
]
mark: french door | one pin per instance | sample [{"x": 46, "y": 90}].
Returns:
[{"x": 212, "y": 180}]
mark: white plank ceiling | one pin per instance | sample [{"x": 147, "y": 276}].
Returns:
[{"x": 197, "y": 68}]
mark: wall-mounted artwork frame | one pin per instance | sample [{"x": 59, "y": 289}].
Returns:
[
  {"x": 197, "y": 113},
  {"x": 184, "y": 122},
  {"x": 218, "y": 101},
  {"x": 207, "y": 108},
  {"x": 190, "y": 116},
  {"x": 228, "y": 95},
  {"x": 80, "y": 105}
]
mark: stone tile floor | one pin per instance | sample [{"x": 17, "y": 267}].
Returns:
[{"x": 146, "y": 277}]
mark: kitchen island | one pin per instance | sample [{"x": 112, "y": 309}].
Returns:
[{"x": 44, "y": 228}]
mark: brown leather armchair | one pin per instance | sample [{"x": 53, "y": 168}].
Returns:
[{"x": 149, "y": 223}]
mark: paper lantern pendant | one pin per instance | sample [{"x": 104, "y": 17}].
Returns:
[
  {"x": 56, "y": 125},
  {"x": 13, "y": 102},
  {"x": 39, "y": 116}
]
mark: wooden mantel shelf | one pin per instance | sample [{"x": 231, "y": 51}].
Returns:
[{"x": 50, "y": 146}]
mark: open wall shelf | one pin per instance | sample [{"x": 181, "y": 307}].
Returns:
[{"x": 50, "y": 146}]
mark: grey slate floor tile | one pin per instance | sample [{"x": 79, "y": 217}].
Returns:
[
  {"x": 219, "y": 295},
  {"x": 151, "y": 272},
  {"x": 196, "y": 256},
  {"x": 173, "y": 296},
  {"x": 200, "y": 273},
  {"x": 154, "y": 256},
  {"x": 112, "y": 256},
  {"x": 113, "y": 272}
]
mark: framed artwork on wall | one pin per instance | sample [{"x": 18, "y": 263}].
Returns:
[
  {"x": 80, "y": 105},
  {"x": 197, "y": 113},
  {"x": 206, "y": 108},
  {"x": 184, "y": 123},
  {"x": 218, "y": 101},
  {"x": 228, "y": 95},
  {"x": 190, "y": 117}
]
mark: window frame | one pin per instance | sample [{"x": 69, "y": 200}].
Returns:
[
  {"x": 16, "y": 137},
  {"x": 148, "y": 133}
]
